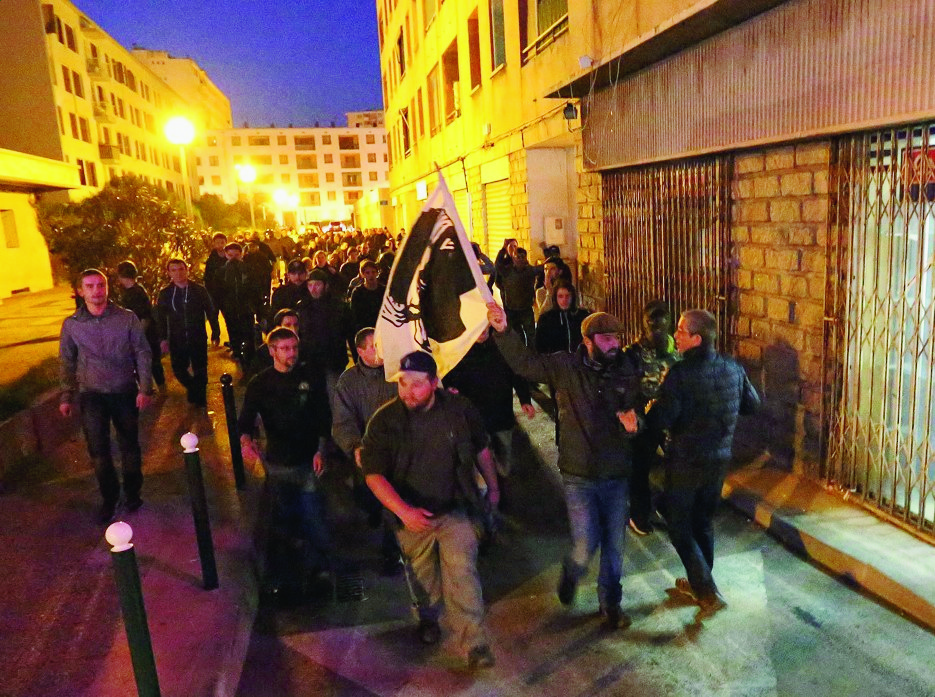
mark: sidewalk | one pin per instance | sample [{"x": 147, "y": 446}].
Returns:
[
  {"x": 60, "y": 614},
  {"x": 30, "y": 325},
  {"x": 846, "y": 539}
]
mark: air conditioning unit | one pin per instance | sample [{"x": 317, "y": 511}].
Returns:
[{"x": 554, "y": 229}]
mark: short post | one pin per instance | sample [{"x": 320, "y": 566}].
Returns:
[
  {"x": 230, "y": 411},
  {"x": 130, "y": 591},
  {"x": 196, "y": 489}
]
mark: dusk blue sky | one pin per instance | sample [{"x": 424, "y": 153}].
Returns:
[{"x": 285, "y": 62}]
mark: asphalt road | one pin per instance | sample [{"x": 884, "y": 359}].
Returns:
[{"x": 789, "y": 629}]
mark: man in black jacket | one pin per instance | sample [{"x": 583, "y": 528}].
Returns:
[
  {"x": 134, "y": 297},
  {"x": 183, "y": 306},
  {"x": 698, "y": 405},
  {"x": 239, "y": 310},
  {"x": 596, "y": 389}
]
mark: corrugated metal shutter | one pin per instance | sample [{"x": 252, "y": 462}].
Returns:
[
  {"x": 498, "y": 224},
  {"x": 461, "y": 204}
]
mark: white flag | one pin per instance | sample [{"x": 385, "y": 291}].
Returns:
[{"x": 436, "y": 298}]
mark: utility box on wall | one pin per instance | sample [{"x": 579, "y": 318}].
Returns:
[{"x": 554, "y": 230}]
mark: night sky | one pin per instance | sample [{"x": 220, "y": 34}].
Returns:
[{"x": 285, "y": 62}]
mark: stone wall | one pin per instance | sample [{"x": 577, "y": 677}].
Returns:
[
  {"x": 519, "y": 198},
  {"x": 590, "y": 272},
  {"x": 780, "y": 205}
]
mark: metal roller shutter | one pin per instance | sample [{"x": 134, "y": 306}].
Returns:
[{"x": 498, "y": 224}]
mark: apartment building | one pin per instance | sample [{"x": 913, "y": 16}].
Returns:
[
  {"x": 70, "y": 92},
  {"x": 303, "y": 175}
]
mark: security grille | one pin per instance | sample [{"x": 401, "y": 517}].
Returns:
[
  {"x": 667, "y": 236},
  {"x": 880, "y": 327}
]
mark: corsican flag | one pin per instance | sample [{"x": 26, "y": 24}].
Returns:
[{"x": 436, "y": 298}]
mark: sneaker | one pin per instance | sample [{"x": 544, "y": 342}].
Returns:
[
  {"x": 615, "y": 618},
  {"x": 567, "y": 587},
  {"x": 429, "y": 632},
  {"x": 640, "y": 528},
  {"x": 480, "y": 657},
  {"x": 710, "y": 603},
  {"x": 685, "y": 588},
  {"x": 105, "y": 514},
  {"x": 133, "y": 504}
]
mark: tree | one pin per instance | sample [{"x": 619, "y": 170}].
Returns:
[
  {"x": 223, "y": 216},
  {"x": 128, "y": 219}
]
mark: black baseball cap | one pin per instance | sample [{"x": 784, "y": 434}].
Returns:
[
  {"x": 419, "y": 362},
  {"x": 297, "y": 266}
]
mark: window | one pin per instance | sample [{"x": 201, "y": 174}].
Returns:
[
  {"x": 372, "y": 176},
  {"x": 428, "y": 12},
  {"x": 350, "y": 179},
  {"x": 309, "y": 198},
  {"x": 548, "y": 12},
  {"x": 213, "y": 160},
  {"x": 404, "y": 117},
  {"x": 401, "y": 53},
  {"x": 308, "y": 181},
  {"x": 212, "y": 141},
  {"x": 351, "y": 196},
  {"x": 384, "y": 157},
  {"x": 329, "y": 176},
  {"x": 197, "y": 162},
  {"x": 10, "y": 235},
  {"x": 431, "y": 91},
  {"x": 201, "y": 181},
  {"x": 266, "y": 178},
  {"x": 61, "y": 123},
  {"x": 306, "y": 162},
  {"x": 326, "y": 140},
  {"x": 285, "y": 178},
  {"x": 74, "y": 126},
  {"x": 371, "y": 157},
  {"x": 240, "y": 159},
  {"x": 235, "y": 140},
  {"x": 350, "y": 161},
  {"x": 261, "y": 159},
  {"x": 332, "y": 196},
  {"x": 85, "y": 129},
  {"x": 257, "y": 140},
  {"x": 497, "y": 37},
  {"x": 86, "y": 173},
  {"x": 66, "y": 79},
  {"x": 329, "y": 158},
  {"x": 70, "y": 39},
  {"x": 348, "y": 142},
  {"x": 452, "y": 82},
  {"x": 283, "y": 159},
  {"x": 306, "y": 142},
  {"x": 120, "y": 109},
  {"x": 280, "y": 140},
  {"x": 420, "y": 113},
  {"x": 150, "y": 123},
  {"x": 474, "y": 50},
  {"x": 216, "y": 180},
  {"x": 371, "y": 139}
]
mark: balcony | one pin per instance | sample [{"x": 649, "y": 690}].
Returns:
[
  {"x": 103, "y": 112},
  {"x": 109, "y": 153},
  {"x": 89, "y": 28},
  {"x": 96, "y": 70}
]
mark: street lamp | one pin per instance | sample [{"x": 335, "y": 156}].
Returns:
[
  {"x": 247, "y": 174},
  {"x": 180, "y": 131}
]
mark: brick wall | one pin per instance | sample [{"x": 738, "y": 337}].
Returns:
[
  {"x": 779, "y": 227},
  {"x": 519, "y": 198},
  {"x": 590, "y": 272}
]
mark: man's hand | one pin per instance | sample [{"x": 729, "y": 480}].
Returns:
[
  {"x": 164, "y": 346},
  {"x": 628, "y": 420},
  {"x": 143, "y": 400},
  {"x": 360, "y": 465},
  {"x": 248, "y": 448},
  {"x": 318, "y": 463},
  {"x": 416, "y": 519},
  {"x": 496, "y": 315},
  {"x": 65, "y": 409},
  {"x": 529, "y": 410}
]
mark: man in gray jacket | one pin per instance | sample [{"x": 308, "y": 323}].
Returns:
[{"x": 106, "y": 366}]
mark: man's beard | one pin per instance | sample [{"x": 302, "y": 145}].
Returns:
[{"x": 606, "y": 358}]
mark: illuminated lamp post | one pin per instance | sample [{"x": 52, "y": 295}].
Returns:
[
  {"x": 180, "y": 131},
  {"x": 247, "y": 174}
]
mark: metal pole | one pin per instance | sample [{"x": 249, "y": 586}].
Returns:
[
  {"x": 186, "y": 183},
  {"x": 130, "y": 592},
  {"x": 196, "y": 489},
  {"x": 230, "y": 411}
]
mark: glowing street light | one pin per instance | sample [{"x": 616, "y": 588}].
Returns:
[
  {"x": 180, "y": 131},
  {"x": 247, "y": 174}
]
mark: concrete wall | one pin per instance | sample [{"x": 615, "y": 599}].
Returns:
[
  {"x": 25, "y": 265},
  {"x": 550, "y": 171}
]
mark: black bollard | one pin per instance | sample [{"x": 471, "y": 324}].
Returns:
[
  {"x": 230, "y": 411},
  {"x": 196, "y": 489},
  {"x": 130, "y": 591}
]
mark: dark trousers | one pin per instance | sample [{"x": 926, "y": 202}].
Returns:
[
  {"x": 689, "y": 514},
  {"x": 524, "y": 322},
  {"x": 159, "y": 375},
  {"x": 98, "y": 411},
  {"x": 190, "y": 367},
  {"x": 298, "y": 513},
  {"x": 240, "y": 330},
  {"x": 645, "y": 456}
]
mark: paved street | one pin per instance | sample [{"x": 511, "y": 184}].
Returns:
[{"x": 790, "y": 629}]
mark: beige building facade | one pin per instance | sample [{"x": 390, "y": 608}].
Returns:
[
  {"x": 70, "y": 92},
  {"x": 303, "y": 175}
]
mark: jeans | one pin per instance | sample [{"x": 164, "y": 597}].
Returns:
[
  {"x": 98, "y": 411},
  {"x": 443, "y": 560},
  {"x": 598, "y": 510},
  {"x": 502, "y": 442},
  {"x": 689, "y": 515},
  {"x": 184, "y": 356},
  {"x": 298, "y": 513}
]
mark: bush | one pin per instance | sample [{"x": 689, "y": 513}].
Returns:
[{"x": 128, "y": 219}]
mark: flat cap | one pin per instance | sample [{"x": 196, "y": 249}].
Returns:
[{"x": 600, "y": 323}]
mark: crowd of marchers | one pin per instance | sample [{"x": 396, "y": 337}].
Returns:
[{"x": 427, "y": 454}]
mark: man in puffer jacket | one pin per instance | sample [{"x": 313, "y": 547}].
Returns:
[{"x": 698, "y": 405}]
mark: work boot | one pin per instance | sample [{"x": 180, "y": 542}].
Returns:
[{"x": 105, "y": 514}]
